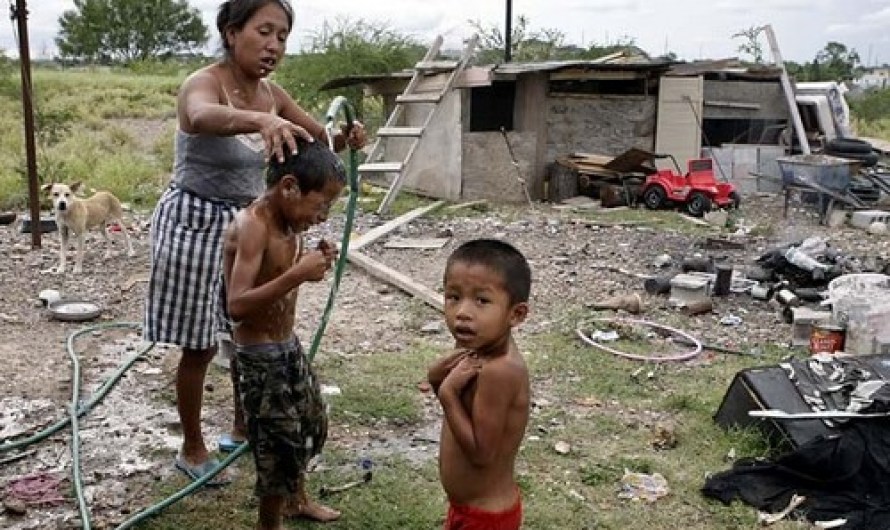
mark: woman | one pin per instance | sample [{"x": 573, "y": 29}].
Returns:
[{"x": 231, "y": 120}]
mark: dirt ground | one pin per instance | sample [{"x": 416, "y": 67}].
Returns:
[{"x": 128, "y": 440}]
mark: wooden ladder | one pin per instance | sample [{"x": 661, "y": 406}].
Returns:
[{"x": 376, "y": 163}]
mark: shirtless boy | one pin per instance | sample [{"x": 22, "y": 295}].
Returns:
[
  {"x": 264, "y": 264},
  {"x": 483, "y": 385}
]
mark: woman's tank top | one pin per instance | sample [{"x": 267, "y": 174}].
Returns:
[{"x": 223, "y": 168}]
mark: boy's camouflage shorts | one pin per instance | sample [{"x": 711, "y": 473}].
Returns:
[{"x": 286, "y": 420}]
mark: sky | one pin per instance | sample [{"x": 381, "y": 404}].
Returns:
[{"x": 693, "y": 29}]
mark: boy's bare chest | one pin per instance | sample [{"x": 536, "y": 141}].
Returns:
[{"x": 279, "y": 257}]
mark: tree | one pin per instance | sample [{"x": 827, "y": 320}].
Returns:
[
  {"x": 540, "y": 45},
  {"x": 525, "y": 43},
  {"x": 129, "y": 30},
  {"x": 342, "y": 48},
  {"x": 751, "y": 44},
  {"x": 835, "y": 62}
]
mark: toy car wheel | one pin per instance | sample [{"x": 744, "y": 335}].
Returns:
[
  {"x": 698, "y": 203},
  {"x": 735, "y": 199},
  {"x": 654, "y": 197}
]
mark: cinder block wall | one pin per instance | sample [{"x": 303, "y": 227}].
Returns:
[{"x": 601, "y": 124}]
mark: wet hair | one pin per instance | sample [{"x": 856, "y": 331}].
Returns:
[
  {"x": 313, "y": 165},
  {"x": 500, "y": 257},
  {"x": 236, "y": 13}
]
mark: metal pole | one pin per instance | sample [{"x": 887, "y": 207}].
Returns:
[
  {"x": 508, "y": 33},
  {"x": 20, "y": 13}
]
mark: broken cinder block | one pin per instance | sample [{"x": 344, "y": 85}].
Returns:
[
  {"x": 802, "y": 321},
  {"x": 863, "y": 219},
  {"x": 687, "y": 289}
]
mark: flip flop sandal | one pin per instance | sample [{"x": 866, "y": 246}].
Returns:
[
  {"x": 195, "y": 472},
  {"x": 228, "y": 445}
]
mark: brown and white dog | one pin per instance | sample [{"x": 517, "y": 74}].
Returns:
[{"x": 77, "y": 215}]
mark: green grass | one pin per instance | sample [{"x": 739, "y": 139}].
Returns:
[
  {"x": 77, "y": 137},
  {"x": 666, "y": 220},
  {"x": 378, "y": 386},
  {"x": 587, "y": 398}
]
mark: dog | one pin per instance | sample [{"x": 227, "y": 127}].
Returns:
[{"x": 77, "y": 215}]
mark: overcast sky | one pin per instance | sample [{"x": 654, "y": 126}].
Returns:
[{"x": 692, "y": 29}]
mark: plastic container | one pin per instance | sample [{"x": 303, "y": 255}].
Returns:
[{"x": 827, "y": 171}]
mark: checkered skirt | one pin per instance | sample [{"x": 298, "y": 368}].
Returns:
[{"x": 185, "y": 291}]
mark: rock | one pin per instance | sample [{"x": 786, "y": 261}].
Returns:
[
  {"x": 562, "y": 448},
  {"x": 433, "y": 326},
  {"x": 877, "y": 228},
  {"x": 15, "y": 507}
]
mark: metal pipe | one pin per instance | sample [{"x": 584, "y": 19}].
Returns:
[
  {"x": 508, "y": 33},
  {"x": 20, "y": 14}
]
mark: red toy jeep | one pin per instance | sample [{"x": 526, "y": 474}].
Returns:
[{"x": 698, "y": 191}]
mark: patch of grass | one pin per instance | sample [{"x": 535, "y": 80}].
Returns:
[
  {"x": 381, "y": 386},
  {"x": 592, "y": 402},
  {"x": 399, "y": 496},
  {"x": 665, "y": 220},
  {"x": 75, "y": 142}
]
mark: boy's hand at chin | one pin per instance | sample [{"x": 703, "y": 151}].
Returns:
[
  {"x": 464, "y": 371},
  {"x": 328, "y": 249},
  {"x": 311, "y": 266}
]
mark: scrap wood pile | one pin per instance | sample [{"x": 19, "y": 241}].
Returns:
[{"x": 615, "y": 180}]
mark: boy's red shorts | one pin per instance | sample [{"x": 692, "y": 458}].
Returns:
[{"x": 470, "y": 518}]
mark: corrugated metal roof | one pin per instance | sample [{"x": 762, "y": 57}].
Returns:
[
  {"x": 616, "y": 61},
  {"x": 726, "y": 69}
]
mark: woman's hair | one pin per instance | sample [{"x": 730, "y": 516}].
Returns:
[
  {"x": 313, "y": 165},
  {"x": 236, "y": 13}
]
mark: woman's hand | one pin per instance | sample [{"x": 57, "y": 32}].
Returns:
[
  {"x": 280, "y": 134},
  {"x": 357, "y": 137}
]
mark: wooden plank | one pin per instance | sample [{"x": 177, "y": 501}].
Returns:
[
  {"x": 401, "y": 132},
  {"x": 469, "y": 204},
  {"x": 377, "y": 232},
  {"x": 423, "y": 243},
  {"x": 436, "y": 65},
  {"x": 433, "y": 97},
  {"x": 380, "y": 167},
  {"x": 396, "y": 278}
]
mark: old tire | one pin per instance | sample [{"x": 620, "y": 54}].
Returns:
[
  {"x": 848, "y": 145},
  {"x": 698, "y": 204},
  {"x": 866, "y": 159},
  {"x": 654, "y": 197}
]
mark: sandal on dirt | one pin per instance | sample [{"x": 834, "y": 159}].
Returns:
[
  {"x": 228, "y": 445},
  {"x": 195, "y": 472}
]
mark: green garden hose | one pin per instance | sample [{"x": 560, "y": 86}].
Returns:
[
  {"x": 339, "y": 103},
  {"x": 97, "y": 396},
  {"x": 77, "y": 410}
]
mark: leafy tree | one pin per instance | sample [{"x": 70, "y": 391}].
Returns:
[
  {"x": 623, "y": 44},
  {"x": 751, "y": 44},
  {"x": 343, "y": 48},
  {"x": 835, "y": 62},
  {"x": 129, "y": 30},
  {"x": 525, "y": 44},
  {"x": 528, "y": 45}
]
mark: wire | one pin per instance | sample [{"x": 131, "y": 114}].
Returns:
[{"x": 650, "y": 358}]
